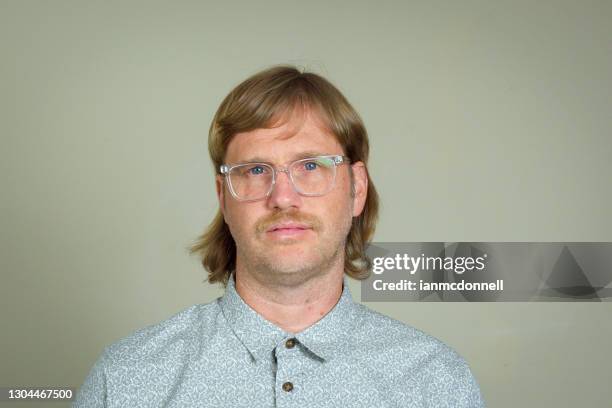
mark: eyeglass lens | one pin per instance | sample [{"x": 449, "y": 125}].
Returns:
[{"x": 310, "y": 177}]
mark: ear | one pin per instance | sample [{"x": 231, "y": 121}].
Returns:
[
  {"x": 220, "y": 192},
  {"x": 360, "y": 181}
]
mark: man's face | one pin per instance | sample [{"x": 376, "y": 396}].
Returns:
[{"x": 286, "y": 237}]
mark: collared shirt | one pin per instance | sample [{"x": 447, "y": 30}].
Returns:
[{"x": 224, "y": 354}]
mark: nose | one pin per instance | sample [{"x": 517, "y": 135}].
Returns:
[{"x": 283, "y": 194}]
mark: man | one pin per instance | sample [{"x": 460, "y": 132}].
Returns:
[{"x": 296, "y": 209}]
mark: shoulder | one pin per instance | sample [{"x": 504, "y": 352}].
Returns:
[
  {"x": 386, "y": 333},
  {"x": 402, "y": 355},
  {"x": 178, "y": 334},
  {"x": 147, "y": 355}
]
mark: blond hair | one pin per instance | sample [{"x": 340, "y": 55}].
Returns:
[{"x": 260, "y": 101}]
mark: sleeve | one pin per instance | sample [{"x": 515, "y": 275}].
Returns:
[{"x": 92, "y": 393}]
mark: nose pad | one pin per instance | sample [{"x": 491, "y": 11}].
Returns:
[
  {"x": 283, "y": 192},
  {"x": 284, "y": 184}
]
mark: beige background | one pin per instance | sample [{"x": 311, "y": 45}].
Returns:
[{"x": 489, "y": 121}]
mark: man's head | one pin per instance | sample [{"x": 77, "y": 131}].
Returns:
[{"x": 317, "y": 212}]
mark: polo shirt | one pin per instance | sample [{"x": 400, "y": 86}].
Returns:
[{"x": 224, "y": 354}]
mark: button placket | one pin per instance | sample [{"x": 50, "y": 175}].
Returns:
[{"x": 288, "y": 367}]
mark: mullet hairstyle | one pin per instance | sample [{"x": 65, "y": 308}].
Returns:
[{"x": 261, "y": 101}]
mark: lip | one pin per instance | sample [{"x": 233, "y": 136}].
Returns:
[{"x": 288, "y": 227}]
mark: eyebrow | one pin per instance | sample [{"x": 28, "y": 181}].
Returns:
[{"x": 298, "y": 156}]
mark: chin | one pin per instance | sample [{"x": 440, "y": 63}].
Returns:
[
  {"x": 289, "y": 264},
  {"x": 293, "y": 264}
]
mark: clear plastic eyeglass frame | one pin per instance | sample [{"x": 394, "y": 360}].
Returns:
[{"x": 337, "y": 160}]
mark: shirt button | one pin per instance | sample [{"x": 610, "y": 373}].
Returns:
[
  {"x": 287, "y": 386},
  {"x": 290, "y": 343}
]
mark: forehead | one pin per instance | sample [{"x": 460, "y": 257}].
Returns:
[{"x": 287, "y": 140}]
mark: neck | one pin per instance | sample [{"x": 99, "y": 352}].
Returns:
[{"x": 292, "y": 307}]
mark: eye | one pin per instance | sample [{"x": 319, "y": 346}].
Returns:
[
  {"x": 256, "y": 170},
  {"x": 310, "y": 165}
]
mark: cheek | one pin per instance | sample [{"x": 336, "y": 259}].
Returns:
[
  {"x": 239, "y": 218},
  {"x": 239, "y": 229},
  {"x": 340, "y": 203},
  {"x": 342, "y": 192}
]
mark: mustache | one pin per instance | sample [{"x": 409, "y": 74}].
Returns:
[{"x": 292, "y": 216}]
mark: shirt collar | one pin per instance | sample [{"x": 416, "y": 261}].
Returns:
[{"x": 324, "y": 338}]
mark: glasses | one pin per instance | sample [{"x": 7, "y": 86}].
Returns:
[{"x": 311, "y": 177}]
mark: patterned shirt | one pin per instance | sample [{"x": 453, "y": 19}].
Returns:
[{"x": 224, "y": 354}]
